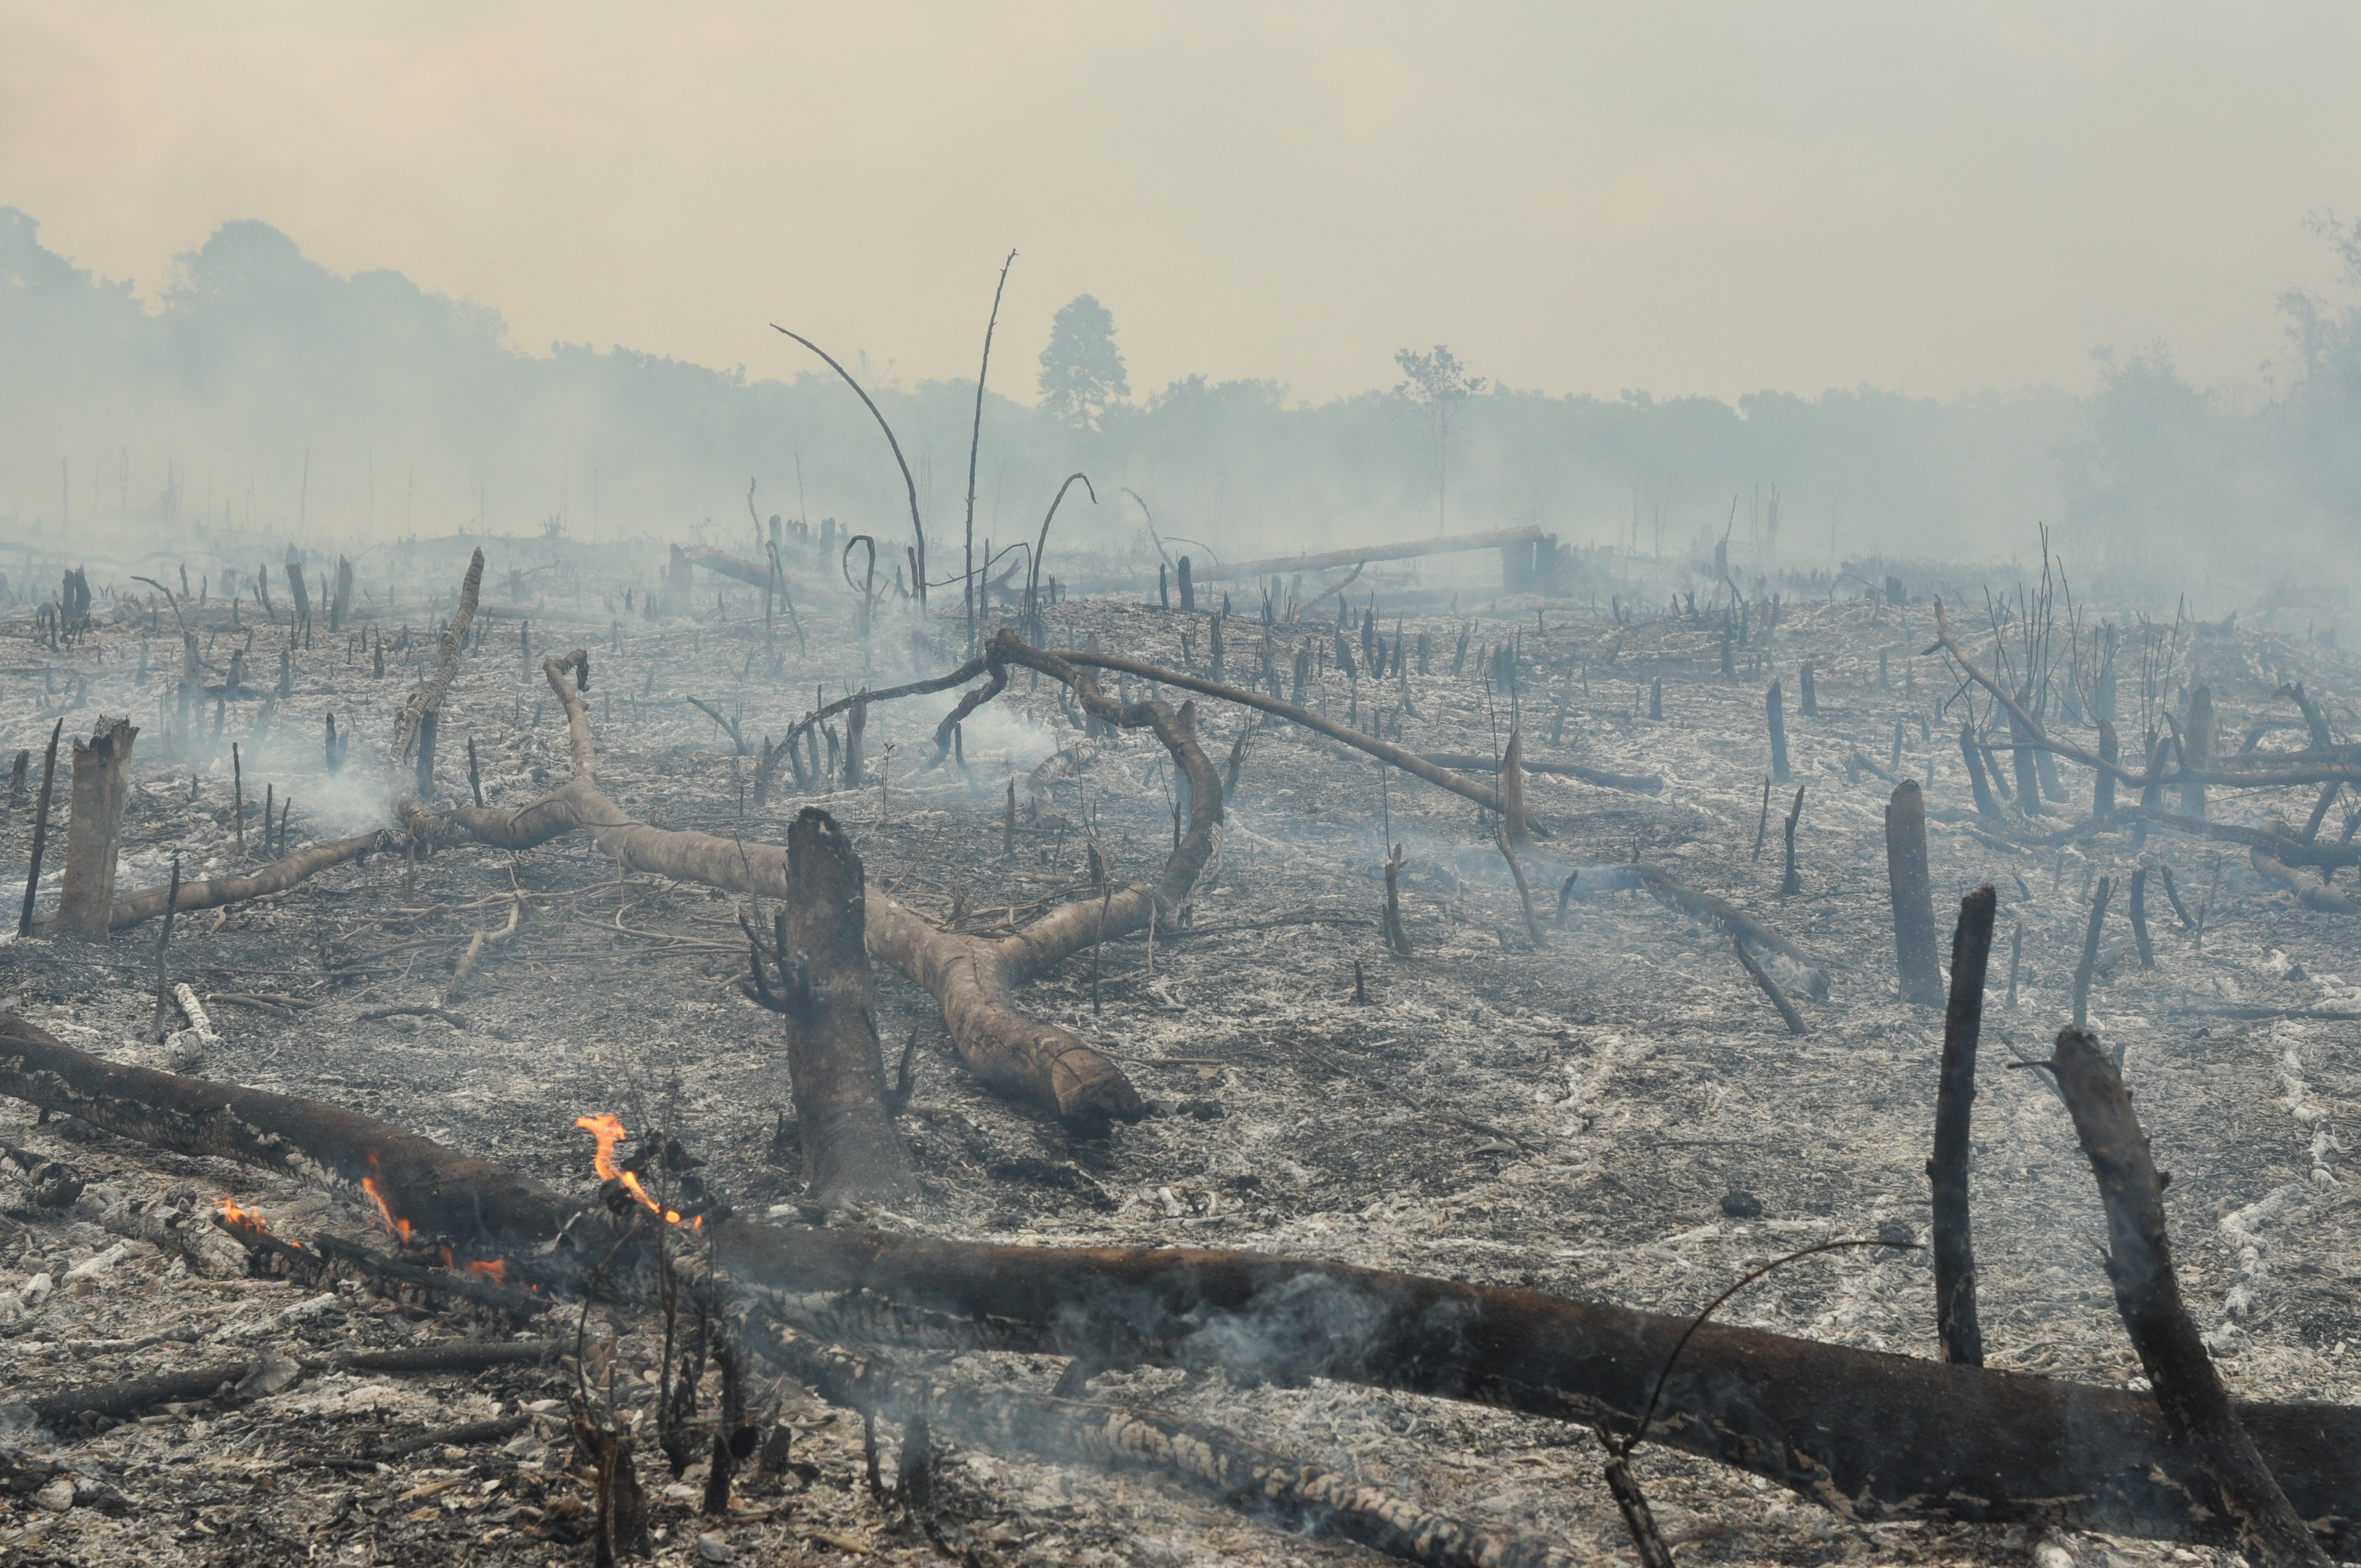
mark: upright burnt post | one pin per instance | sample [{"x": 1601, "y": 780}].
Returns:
[
  {"x": 1775, "y": 710},
  {"x": 2215, "y": 1458},
  {"x": 1986, "y": 807},
  {"x": 101, "y": 788},
  {"x": 828, "y": 995},
  {"x": 40, "y": 831},
  {"x": 2196, "y": 750},
  {"x": 2103, "y": 792},
  {"x": 1188, "y": 587},
  {"x": 1912, "y": 894},
  {"x": 1955, "y": 1255},
  {"x": 2090, "y": 953}
]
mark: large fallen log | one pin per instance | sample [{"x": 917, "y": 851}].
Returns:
[
  {"x": 2212, "y": 1454},
  {"x": 1812, "y": 974},
  {"x": 1871, "y": 1435},
  {"x": 747, "y": 571},
  {"x": 973, "y": 979},
  {"x": 1447, "y": 544},
  {"x": 2270, "y": 838},
  {"x": 1004, "y": 1420},
  {"x": 482, "y": 1207},
  {"x": 1644, "y": 783},
  {"x": 276, "y": 877}
]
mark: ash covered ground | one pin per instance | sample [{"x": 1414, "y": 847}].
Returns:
[{"x": 1571, "y": 1115}]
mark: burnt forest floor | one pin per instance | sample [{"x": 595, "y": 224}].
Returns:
[{"x": 1569, "y": 1116}]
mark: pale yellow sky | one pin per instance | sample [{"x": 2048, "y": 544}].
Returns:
[{"x": 1685, "y": 197}]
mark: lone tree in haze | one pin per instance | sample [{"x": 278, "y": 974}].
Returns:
[
  {"x": 1082, "y": 370},
  {"x": 1438, "y": 384}
]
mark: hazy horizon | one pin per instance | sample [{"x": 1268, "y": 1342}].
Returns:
[{"x": 1693, "y": 200}]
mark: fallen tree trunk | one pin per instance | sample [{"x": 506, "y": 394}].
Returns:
[
  {"x": 2278, "y": 845},
  {"x": 1644, "y": 783},
  {"x": 481, "y": 1207},
  {"x": 1871, "y": 1435},
  {"x": 1005, "y": 1421},
  {"x": 1502, "y": 538},
  {"x": 744, "y": 571},
  {"x": 277, "y": 877},
  {"x": 973, "y": 979},
  {"x": 2310, "y": 889},
  {"x": 1814, "y": 976},
  {"x": 2212, "y": 1454}
]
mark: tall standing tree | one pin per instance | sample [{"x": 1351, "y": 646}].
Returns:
[
  {"x": 1438, "y": 384},
  {"x": 1082, "y": 370}
]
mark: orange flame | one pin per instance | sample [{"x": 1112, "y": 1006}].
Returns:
[
  {"x": 496, "y": 1271},
  {"x": 250, "y": 1220},
  {"x": 607, "y": 1128},
  {"x": 400, "y": 1228}
]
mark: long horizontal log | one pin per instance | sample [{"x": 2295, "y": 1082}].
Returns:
[
  {"x": 1446, "y": 545},
  {"x": 1013, "y": 1421},
  {"x": 2279, "y": 846},
  {"x": 480, "y": 1206},
  {"x": 746, "y": 571},
  {"x": 1871, "y": 1435},
  {"x": 1639, "y": 876},
  {"x": 1642, "y": 783},
  {"x": 276, "y": 877}
]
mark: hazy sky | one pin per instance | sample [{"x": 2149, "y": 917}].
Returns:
[{"x": 1709, "y": 198}]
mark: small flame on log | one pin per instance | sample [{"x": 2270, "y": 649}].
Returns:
[
  {"x": 252, "y": 1220},
  {"x": 399, "y": 1228},
  {"x": 497, "y": 1270},
  {"x": 607, "y": 1128}
]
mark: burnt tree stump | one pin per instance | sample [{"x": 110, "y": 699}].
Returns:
[
  {"x": 101, "y": 788},
  {"x": 828, "y": 995},
  {"x": 1913, "y": 896}
]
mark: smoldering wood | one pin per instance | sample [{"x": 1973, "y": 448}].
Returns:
[
  {"x": 1956, "y": 1325},
  {"x": 1878, "y": 1436},
  {"x": 1472, "y": 763},
  {"x": 2213, "y": 1456},
  {"x": 1301, "y": 1496},
  {"x": 1770, "y": 988},
  {"x": 472, "y": 1201}
]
